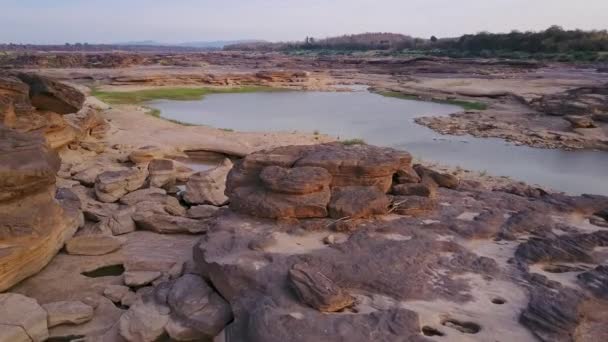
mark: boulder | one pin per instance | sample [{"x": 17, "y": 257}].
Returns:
[
  {"x": 25, "y": 314},
  {"x": 162, "y": 172},
  {"x": 358, "y": 165},
  {"x": 444, "y": 180},
  {"x": 75, "y": 312},
  {"x": 120, "y": 222},
  {"x": 358, "y": 202},
  {"x": 144, "y": 321},
  {"x": 142, "y": 195},
  {"x": 110, "y": 186},
  {"x": 196, "y": 309},
  {"x": 93, "y": 245},
  {"x": 317, "y": 290},
  {"x": 208, "y": 187},
  {"x": 298, "y": 181}
]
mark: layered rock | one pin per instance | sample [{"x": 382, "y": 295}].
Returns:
[
  {"x": 30, "y": 238},
  {"x": 299, "y": 181},
  {"x": 29, "y": 102}
]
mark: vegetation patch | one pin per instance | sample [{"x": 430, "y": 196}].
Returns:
[
  {"x": 466, "y": 105},
  {"x": 350, "y": 142},
  {"x": 178, "y": 94}
]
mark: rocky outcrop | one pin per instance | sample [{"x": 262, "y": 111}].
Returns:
[
  {"x": 29, "y": 102},
  {"x": 30, "y": 238},
  {"x": 299, "y": 181},
  {"x": 578, "y": 101}
]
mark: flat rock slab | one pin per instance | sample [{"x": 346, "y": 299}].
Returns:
[
  {"x": 140, "y": 278},
  {"x": 93, "y": 245},
  {"x": 23, "y": 312},
  {"x": 73, "y": 312}
]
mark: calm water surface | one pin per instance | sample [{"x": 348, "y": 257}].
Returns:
[{"x": 389, "y": 122}]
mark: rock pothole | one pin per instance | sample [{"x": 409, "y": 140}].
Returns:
[
  {"x": 463, "y": 327},
  {"x": 106, "y": 271},
  {"x": 498, "y": 301},
  {"x": 430, "y": 331}
]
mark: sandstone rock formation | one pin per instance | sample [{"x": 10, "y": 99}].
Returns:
[
  {"x": 297, "y": 181},
  {"x": 29, "y": 238}
]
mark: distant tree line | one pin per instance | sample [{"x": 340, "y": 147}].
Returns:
[{"x": 554, "y": 42}]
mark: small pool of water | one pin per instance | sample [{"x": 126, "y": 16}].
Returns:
[{"x": 387, "y": 121}]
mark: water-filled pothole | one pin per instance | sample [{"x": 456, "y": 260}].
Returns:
[
  {"x": 561, "y": 269},
  {"x": 463, "y": 327},
  {"x": 69, "y": 338},
  {"x": 498, "y": 301},
  {"x": 430, "y": 331},
  {"x": 105, "y": 271}
]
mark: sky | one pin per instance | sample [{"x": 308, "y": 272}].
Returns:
[{"x": 173, "y": 21}]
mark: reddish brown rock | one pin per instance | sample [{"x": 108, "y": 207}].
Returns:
[
  {"x": 317, "y": 290},
  {"x": 444, "y": 180},
  {"x": 357, "y": 202},
  {"x": 296, "y": 181},
  {"x": 257, "y": 201}
]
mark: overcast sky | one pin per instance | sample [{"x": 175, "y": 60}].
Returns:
[{"x": 106, "y": 21}]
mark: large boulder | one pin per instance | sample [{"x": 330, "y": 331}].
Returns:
[
  {"x": 298, "y": 181},
  {"x": 196, "y": 305},
  {"x": 208, "y": 187},
  {"x": 30, "y": 238}
]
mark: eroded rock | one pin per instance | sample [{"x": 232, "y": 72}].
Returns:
[
  {"x": 110, "y": 186},
  {"x": 208, "y": 187},
  {"x": 316, "y": 289}
]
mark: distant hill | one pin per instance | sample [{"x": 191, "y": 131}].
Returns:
[{"x": 216, "y": 44}]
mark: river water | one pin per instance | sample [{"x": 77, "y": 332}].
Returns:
[{"x": 390, "y": 122}]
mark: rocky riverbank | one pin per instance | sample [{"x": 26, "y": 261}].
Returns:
[{"x": 108, "y": 233}]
